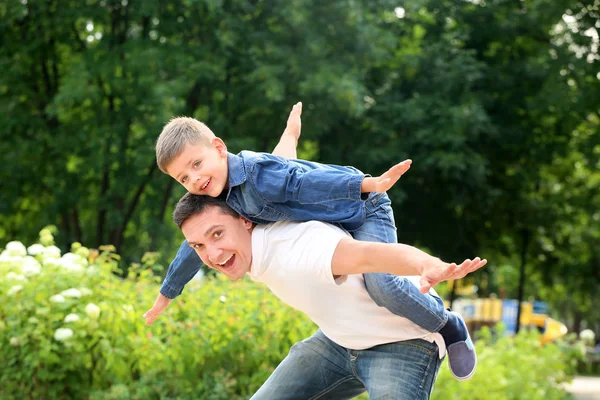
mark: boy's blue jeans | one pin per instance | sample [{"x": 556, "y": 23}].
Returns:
[
  {"x": 317, "y": 368},
  {"x": 396, "y": 293}
]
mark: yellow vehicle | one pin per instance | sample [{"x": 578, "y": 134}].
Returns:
[{"x": 490, "y": 311}]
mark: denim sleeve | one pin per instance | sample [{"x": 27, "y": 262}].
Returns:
[
  {"x": 278, "y": 180},
  {"x": 184, "y": 266}
]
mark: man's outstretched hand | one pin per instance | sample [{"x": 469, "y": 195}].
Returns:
[
  {"x": 433, "y": 274},
  {"x": 385, "y": 182},
  {"x": 159, "y": 306}
]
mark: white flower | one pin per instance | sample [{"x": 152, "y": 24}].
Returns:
[
  {"x": 50, "y": 262},
  {"x": 35, "y": 249},
  {"x": 83, "y": 252},
  {"x": 128, "y": 307},
  {"x": 51, "y": 252},
  {"x": 14, "y": 290},
  {"x": 57, "y": 298},
  {"x": 85, "y": 291},
  {"x": 46, "y": 237},
  {"x": 11, "y": 276},
  {"x": 71, "y": 293},
  {"x": 71, "y": 318},
  {"x": 31, "y": 266},
  {"x": 63, "y": 334},
  {"x": 222, "y": 299},
  {"x": 587, "y": 335},
  {"x": 16, "y": 248},
  {"x": 15, "y": 341},
  {"x": 6, "y": 257},
  {"x": 76, "y": 258},
  {"x": 92, "y": 310},
  {"x": 69, "y": 264},
  {"x": 45, "y": 232},
  {"x": 72, "y": 262}
]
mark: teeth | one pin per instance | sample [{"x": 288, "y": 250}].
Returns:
[
  {"x": 206, "y": 184},
  {"x": 225, "y": 262}
]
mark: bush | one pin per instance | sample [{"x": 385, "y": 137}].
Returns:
[
  {"x": 511, "y": 368},
  {"x": 70, "y": 328}
]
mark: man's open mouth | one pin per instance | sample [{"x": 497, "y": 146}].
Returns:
[{"x": 227, "y": 263}]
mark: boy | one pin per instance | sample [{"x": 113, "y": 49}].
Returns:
[{"x": 267, "y": 188}]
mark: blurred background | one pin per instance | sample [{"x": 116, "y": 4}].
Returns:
[{"x": 496, "y": 102}]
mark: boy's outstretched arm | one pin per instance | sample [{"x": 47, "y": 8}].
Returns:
[
  {"x": 289, "y": 139},
  {"x": 357, "y": 257},
  {"x": 384, "y": 182}
]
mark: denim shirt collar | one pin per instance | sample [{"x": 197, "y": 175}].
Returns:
[{"x": 236, "y": 170}]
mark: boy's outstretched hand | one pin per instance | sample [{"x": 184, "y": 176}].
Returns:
[
  {"x": 434, "y": 273},
  {"x": 384, "y": 182},
  {"x": 294, "y": 122},
  {"x": 289, "y": 138}
]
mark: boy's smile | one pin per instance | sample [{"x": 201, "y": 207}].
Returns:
[{"x": 201, "y": 168}]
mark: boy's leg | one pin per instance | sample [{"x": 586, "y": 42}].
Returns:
[
  {"x": 396, "y": 293},
  {"x": 403, "y": 370},
  {"x": 315, "y": 368},
  {"x": 403, "y": 298}
]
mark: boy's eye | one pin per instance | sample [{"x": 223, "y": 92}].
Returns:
[
  {"x": 196, "y": 164},
  {"x": 184, "y": 179},
  {"x": 197, "y": 246}
]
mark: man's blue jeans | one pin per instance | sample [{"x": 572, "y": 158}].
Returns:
[
  {"x": 396, "y": 293},
  {"x": 317, "y": 368}
]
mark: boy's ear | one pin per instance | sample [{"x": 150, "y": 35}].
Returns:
[{"x": 220, "y": 146}]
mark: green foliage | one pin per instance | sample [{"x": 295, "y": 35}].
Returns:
[
  {"x": 70, "y": 327},
  {"x": 511, "y": 369}
]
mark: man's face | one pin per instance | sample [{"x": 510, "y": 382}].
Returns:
[
  {"x": 222, "y": 241},
  {"x": 201, "y": 168}
]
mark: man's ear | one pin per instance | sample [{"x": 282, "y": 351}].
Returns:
[
  {"x": 220, "y": 146},
  {"x": 247, "y": 224}
]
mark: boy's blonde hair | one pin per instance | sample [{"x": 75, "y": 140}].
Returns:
[{"x": 178, "y": 133}]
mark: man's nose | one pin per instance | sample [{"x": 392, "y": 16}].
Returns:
[{"x": 214, "y": 255}]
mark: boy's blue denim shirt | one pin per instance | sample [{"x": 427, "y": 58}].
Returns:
[{"x": 264, "y": 188}]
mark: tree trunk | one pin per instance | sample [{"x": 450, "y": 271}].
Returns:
[{"x": 525, "y": 238}]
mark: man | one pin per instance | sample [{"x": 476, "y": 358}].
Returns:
[{"x": 317, "y": 268}]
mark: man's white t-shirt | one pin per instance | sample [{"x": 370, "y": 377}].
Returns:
[{"x": 294, "y": 260}]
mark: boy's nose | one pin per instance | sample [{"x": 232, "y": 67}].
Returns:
[{"x": 196, "y": 181}]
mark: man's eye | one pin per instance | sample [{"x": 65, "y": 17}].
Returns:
[
  {"x": 196, "y": 164},
  {"x": 217, "y": 234}
]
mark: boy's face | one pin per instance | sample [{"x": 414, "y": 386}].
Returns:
[
  {"x": 222, "y": 241},
  {"x": 201, "y": 168}
]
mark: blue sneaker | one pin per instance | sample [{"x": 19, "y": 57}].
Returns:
[{"x": 462, "y": 358}]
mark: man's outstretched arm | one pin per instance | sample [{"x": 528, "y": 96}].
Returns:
[
  {"x": 357, "y": 257},
  {"x": 182, "y": 269}
]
